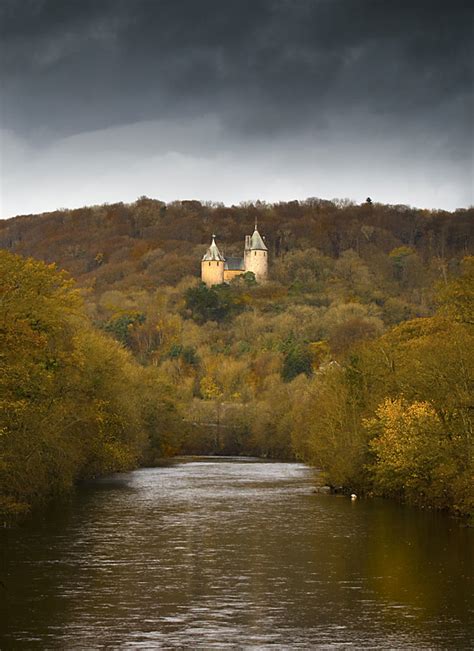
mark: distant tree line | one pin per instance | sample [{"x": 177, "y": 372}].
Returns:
[{"x": 150, "y": 242}]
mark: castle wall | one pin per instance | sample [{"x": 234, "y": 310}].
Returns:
[
  {"x": 229, "y": 274},
  {"x": 257, "y": 262},
  {"x": 212, "y": 272}
]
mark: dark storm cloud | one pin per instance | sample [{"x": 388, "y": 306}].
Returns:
[
  {"x": 262, "y": 65},
  {"x": 301, "y": 81}
]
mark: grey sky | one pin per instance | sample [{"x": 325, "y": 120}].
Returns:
[{"x": 231, "y": 101}]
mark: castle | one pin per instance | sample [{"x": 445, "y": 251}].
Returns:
[{"x": 217, "y": 269}]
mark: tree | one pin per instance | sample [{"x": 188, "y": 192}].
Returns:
[
  {"x": 73, "y": 402},
  {"x": 457, "y": 297},
  {"x": 297, "y": 360},
  {"x": 213, "y": 303},
  {"x": 121, "y": 325},
  {"x": 414, "y": 456}
]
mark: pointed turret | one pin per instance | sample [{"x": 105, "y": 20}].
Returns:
[
  {"x": 212, "y": 265},
  {"x": 255, "y": 255}
]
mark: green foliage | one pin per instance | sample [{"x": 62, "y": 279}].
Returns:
[
  {"x": 297, "y": 360},
  {"x": 120, "y": 325},
  {"x": 247, "y": 279},
  {"x": 187, "y": 353},
  {"x": 213, "y": 304}
]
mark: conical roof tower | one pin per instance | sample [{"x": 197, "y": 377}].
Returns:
[
  {"x": 212, "y": 265},
  {"x": 256, "y": 256}
]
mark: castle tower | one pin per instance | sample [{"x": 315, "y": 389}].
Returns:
[
  {"x": 212, "y": 265},
  {"x": 256, "y": 256}
]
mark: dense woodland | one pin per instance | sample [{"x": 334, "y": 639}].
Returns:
[{"x": 357, "y": 356}]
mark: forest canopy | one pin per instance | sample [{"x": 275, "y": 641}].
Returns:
[
  {"x": 73, "y": 402},
  {"x": 356, "y": 356}
]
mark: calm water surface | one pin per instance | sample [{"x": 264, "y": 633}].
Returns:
[{"x": 234, "y": 554}]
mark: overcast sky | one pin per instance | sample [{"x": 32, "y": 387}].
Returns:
[{"x": 235, "y": 100}]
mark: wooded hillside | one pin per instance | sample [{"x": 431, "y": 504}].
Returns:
[
  {"x": 151, "y": 243},
  {"x": 363, "y": 333}
]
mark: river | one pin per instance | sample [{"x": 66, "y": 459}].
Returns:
[{"x": 234, "y": 554}]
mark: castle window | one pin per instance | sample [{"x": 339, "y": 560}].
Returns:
[
  {"x": 255, "y": 253},
  {"x": 209, "y": 264}
]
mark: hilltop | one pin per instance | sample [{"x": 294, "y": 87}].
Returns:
[{"x": 149, "y": 243}]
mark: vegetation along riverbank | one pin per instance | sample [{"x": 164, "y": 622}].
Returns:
[{"x": 356, "y": 355}]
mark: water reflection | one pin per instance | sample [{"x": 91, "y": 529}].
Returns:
[{"x": 234, "y": 554}]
